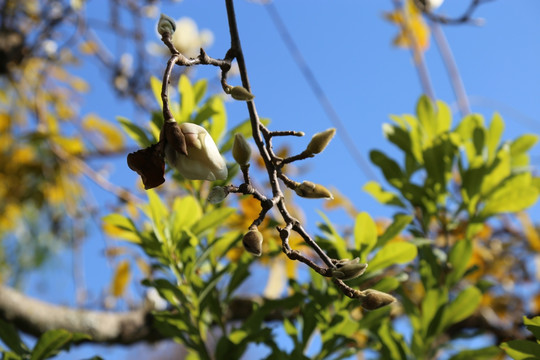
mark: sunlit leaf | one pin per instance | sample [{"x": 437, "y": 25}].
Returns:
[
  {"x": 187, "y": 99},
  {"x": 134, "y": 131},
  {"x": 459, "y": 258},
  {"x": 110, "y": 136},
  {"x": 118, "y": 226},
  {"x": 521, "y": 349},
  {"x": 384, "y": 197},
  {"x": 155, "y": 85},
  {"x": 463, "y": 306},
  {"x": 365, "y": 234},
  {"x": 392, "y": 253}
]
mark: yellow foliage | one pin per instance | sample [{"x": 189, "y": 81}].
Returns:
[
  {"x": 71, "y": 145},
  {"x": 121, "y": 278},
  {"x": 529, "y": 230},
  {"x": 110, "y": 136},
  {"x": 89, "y": 47},
  {"x": 413, "y": 28}
]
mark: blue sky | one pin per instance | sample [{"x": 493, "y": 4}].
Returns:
[{"x": 348, "y": 47}]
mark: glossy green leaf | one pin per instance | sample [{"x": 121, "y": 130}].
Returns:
[
  {"x": 51, "y": 342},
  {"x": 494, "y": 135},
  {"x": 463, "y": 306},
  {"x": 390, "y": 169},
  {"x": 426, "y": 116},
  {"x": 212, "y": 219},
  {"x": 485, "y": 353},
  {"x": 523, "y": 144},
  {"x": 243, "y": 128},
  {"x": 399, "y": 223},
  {"x": 393, "y": 344},
  {"x": 219, "y": 119},
  {"x": 117, "y": 225},
  {"x": 365, "y": 234},
  {"x": 338, "y": 242},
  {"x": 533, "y": 325},
  {"x": 199, "y": 90},
  {"x": 187, "y": 98},
  {"x": 155, "y": 85},
  {"x": 443, "y": 120},
  {"x": 10, "y": 337},
  {"x": 521, "y": 349},
  {"x": 134, "y": 131},
  {"x": 186, "y": 212},
  {"x": 290, "y": 329},
  {"x": 384, "y": 197},
  {"x": 516, "y": 194},
  {"x": 458, "y": 259},
  {"x": 392, "y": 253},
  {"x": 399, "y": 137},
  {"x": 157, "y": 211}
]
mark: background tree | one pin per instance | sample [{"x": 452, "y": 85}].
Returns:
[{"x": 453, "y": 179}]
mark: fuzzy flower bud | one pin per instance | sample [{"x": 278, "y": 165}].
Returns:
[
  {"x": 374, "y": 299},
  {"x": 166, "y": 25},
  {"x": 311, "y": 190},
  {"x": 319, "y": 141},
  {"x": 253, "y": 241},
  {"x": 201, "y": 159},
  {"x": 241, "y": 150},
  {"x": 349, "y": 269},
  {"x": 217, "y": 194},
  {"x": 239, "y": 93}
]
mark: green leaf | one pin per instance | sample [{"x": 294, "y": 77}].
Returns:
[
  {"x": 365, "y": 234},
  {"x": 186, "y": 212},
  {"x": 426, "y": 116},
  {"x": 338, "y": 241},
  {"x": 463, "y": 306},
  {"x": 392, "y": 253},
  {"x": 517, "y": 194},
  {"x": 134, "y": 131},
  {"x": 219, "y": 119},
  {"x": 390, "y": 169},
  {"x": 155, "y": 85},
  {"x": 459, "y": 258},
  {"x": 212, "y": 219},
  {"x": 187, "y": 98},
  {"x": 443, "y": 120},
  {"x": 290, "y": 329},
  {"x": 399, "y": 224},
  {"x": 158, "y": 213},
  {"x": 523, "y": 144},
  {"x": 243, "y": 128},
  {"x": 117, "y": 225},
  {"x": 384, "y": 197},
  {"x": 521, "y": 349},
  {"x": 494, "y": 134},
  {"x": 486, "y": 353},
  {"x": 199, "y": 90},
  {"x": 533, "y": 325},
  {"x": 50, "y": 343},
  {"x": 10, "y": 337}
]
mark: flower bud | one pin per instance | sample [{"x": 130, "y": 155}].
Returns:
[
  {"x": 311, "y": 190},
  {"x": 241, "y": 150},
  {"x": 319, "y": 141},
  {"x": 166, "y": 25},
  {"x": 348, "y": 269},
  {"x": 374, "y": 299},
  {"x": 240, "y": 93},
  {"x": 217, "y": 194},
  {"x": 253, "y": 241},
  {"x": 202, "y": 160}
]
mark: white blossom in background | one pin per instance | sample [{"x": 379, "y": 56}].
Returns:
[{"x": 187, "y": 39}]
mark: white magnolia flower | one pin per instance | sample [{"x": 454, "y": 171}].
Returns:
[
  {"x": 203, "y": 162},
  {"x": 188, "y": 40}
]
